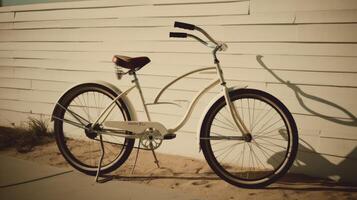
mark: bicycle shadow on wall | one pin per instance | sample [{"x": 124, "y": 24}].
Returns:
[
  {"x": 349, "y": 120},
  {"x": 308, "y": 160}
]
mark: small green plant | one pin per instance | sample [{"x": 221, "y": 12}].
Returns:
[{"x": 24, "y": 139}]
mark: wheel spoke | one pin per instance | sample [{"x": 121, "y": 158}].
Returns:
[
  {"x": 223, "y": 127},
  {"x": 71, "y": 123},
  {"x": 271, "y": 138},
  {"x": 251, "y": 127},
  {"x": 266, "y": 148},
  {"x": 261, "y": 119},
  {"x": 271, "y": 143},
  {"x": 250, "y": 122},
  {"x": 260, "y": 114},
  {"x": 76, "y": 116},
  {"x": 257, "y": 158},
  {"x": 265, "y": 124},
  {"x": 231, "y": 125},
  {"x": 259, "y": 134}
]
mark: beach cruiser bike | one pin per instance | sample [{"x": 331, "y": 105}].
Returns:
[{"x": 248, "y": 137}]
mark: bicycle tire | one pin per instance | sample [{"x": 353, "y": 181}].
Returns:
[
  {"x": 229, "y": 172},
  {"x": 64, "y": 141}
]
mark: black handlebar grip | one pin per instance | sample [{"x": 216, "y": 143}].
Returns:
[
  {"x": 178, "y": 34},
  {"x": 184, "y": 25}
]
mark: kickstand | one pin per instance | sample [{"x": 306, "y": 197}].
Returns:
[
  {"x": 153, "y": 153},
  {"x": 100, "y": 164},
  {"x": 136, "y": 157}
]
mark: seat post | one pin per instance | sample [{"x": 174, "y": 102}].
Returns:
[{"x": 137, "y": 84}]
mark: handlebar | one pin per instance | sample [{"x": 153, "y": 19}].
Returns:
[
  {"x": 178, "y": 34},
  {"x": 222, "y": 46},
  {"x": 184, "y": 25}
]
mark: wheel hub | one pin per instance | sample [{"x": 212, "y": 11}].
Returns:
[
  {"x": 91, "y": 132},
  {"x": 248, "y": 137}
]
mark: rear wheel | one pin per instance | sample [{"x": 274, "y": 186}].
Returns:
[
  {"x": 81, "y": 147},
  {"x": 264, "y": 156}
]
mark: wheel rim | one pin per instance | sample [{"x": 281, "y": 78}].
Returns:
[
  {"x": 265, "y": 155},
  {"x": 80, "y": 149}
]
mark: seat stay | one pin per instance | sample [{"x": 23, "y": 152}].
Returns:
[{"x": 105, "y": 112}]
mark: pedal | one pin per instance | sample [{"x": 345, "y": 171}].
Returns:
[{"x": 169, "y": 136}]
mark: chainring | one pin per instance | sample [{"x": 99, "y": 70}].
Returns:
[{"x": 151, "y": 139}]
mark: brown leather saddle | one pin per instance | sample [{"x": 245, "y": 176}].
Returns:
[{"x": 133, "y": 64}]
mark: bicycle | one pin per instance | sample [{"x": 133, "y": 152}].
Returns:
[{"x": 247, "y": 136}]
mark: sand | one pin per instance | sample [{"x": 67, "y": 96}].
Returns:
[{"x": 195, "y": 178}]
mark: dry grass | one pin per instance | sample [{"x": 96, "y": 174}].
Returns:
[{"x": 24, "y": 139}]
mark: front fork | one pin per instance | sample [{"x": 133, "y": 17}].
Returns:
[{"x": 235, "y": 115}]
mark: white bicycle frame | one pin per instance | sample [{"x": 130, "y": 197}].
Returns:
[{"x": 143, "y": 126}]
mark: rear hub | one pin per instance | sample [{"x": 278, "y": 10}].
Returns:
[{"x": 91, "y": 132}]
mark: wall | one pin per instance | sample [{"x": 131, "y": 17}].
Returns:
[{"x": 304, "y": 52}]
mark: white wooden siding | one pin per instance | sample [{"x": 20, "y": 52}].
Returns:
[{"x": 45, "y": 48}]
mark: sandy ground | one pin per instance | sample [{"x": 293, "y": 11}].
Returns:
[{"x": 195, "y": 177}]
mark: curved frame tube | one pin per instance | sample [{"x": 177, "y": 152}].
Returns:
[
  {"x": 192, "y": 105},
  {"x": 177, "y": 79}
]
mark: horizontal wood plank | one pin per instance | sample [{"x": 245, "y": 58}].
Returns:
[
  {"x": 330, "y": 16},
  {"x": 27, "y": 68},
  {"x": 164, "y": 63},
  {"x": 100, "y": 4},
  {"x": 71, "y": 5},
  {"x": 273, "y": 18},
  {"x": 143, "y": 47},
  {"x": 301, "y": 17},
  {"x": 15, "y": 83},
  {"x": 6, "y": 25},
  {"x": 7, "y": 17},
  {"x": 301, "y": 5},
  {"x": 258, "y": 33},
  {"x": 12, "y": 118},
  {"x": 228, "y": 8}
]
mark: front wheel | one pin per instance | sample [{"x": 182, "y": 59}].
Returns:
[{"x": 266, "y": 155}]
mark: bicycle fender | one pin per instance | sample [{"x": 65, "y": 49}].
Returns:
[
  {"x": 106, "y": 84},
  {"x": 220, "y": 95}
]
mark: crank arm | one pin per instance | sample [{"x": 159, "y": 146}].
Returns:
[{"x": 223, "y": 138}]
